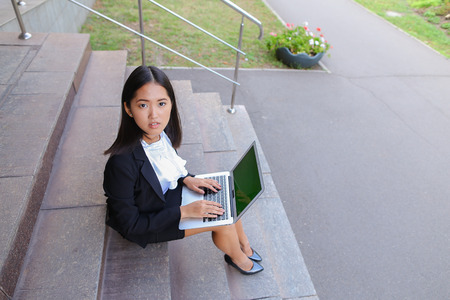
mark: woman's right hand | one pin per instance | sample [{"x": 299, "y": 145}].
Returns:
[{"x": 201, "y": 209}]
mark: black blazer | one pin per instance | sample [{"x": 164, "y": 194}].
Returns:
[{"x": 136, "y": 205}]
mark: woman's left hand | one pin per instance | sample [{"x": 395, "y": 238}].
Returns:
[{"x": 196, "y": 184}]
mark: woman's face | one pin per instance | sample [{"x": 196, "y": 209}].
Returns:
[{"x": 150, "y": 109}]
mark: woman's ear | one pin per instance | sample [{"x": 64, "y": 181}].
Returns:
[{"x": 127, "y": 109}]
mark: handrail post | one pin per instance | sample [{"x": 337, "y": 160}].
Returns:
[
  {"x": 141, "y": 25},
  {"x": 24, "y": 35},
  {"x": 231, "y": 109}
]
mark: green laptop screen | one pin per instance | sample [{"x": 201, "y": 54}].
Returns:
[{"x": 247, "y": 183}]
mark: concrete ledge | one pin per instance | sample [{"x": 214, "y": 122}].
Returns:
[
  {"x": 216, "y": 135},
  {"x": 104, "y": 76},
  {"x": 197, "y": 269},
  {"x": 195, "y": 160},
  {"x": 268, "y": 221},
  {"x": 262, "y": 285},
  {"x": 292, "y": 275},
  {"x": 188, "y": 115},
  {"x": 63, "y": 53},
  {"x": 132, "y": 272},
  {"x": 75, "y": 183},
  {"x": 35, "y": 109},
  {"x": 60, "y": 265}
]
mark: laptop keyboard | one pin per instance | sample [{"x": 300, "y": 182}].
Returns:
[{"x": 219, "y": 197}]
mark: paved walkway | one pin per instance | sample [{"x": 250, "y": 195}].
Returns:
[{"x": 359, "y": 156}]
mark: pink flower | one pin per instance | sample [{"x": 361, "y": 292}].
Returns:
[
  {"x": 273, "y": 34},
  {"x": 318, "y": 29},
  {"x": 290, "y": 25},
  {"x": 306, "y": 28}
]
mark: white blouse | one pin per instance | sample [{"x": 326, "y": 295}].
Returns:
[{"x": 168, "y": 166}]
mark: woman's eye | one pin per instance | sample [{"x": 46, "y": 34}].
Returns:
[
  {"x": 143, "y": 105},
  {"x": 162, "y": 103}
]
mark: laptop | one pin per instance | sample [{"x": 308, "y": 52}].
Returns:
[{"x": 240, "y": 188}]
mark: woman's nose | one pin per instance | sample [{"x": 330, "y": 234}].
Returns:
[{"x": 152, "y": 112}]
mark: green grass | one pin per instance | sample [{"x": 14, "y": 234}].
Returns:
[
  {"x": 211, "y": 15},
  {"x": 418, "y": 23}
]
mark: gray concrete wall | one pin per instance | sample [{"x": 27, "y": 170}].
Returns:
[{"x": 45, "y": 16}]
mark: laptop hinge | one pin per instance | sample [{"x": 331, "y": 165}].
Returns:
[{"x": 232, "y": 200}]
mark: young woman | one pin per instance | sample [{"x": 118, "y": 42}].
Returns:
[{"x": 144, "y": 175}]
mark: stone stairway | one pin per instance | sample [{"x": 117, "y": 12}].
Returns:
[
  {"x": 72, "y": 255},
  {"x": 38, "y": 82}
]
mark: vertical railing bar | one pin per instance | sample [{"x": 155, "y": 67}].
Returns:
[
  {"x": 24, "y": 35},
  {"x": 141, "y": 26},
  {"x": 231, "y": 109}
]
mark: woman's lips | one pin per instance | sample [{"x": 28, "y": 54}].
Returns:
[{"x": 153, "y": 125}]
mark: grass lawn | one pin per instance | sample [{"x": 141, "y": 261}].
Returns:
[
  {"x": 416, "y": 19},
  {"x": 212, "y": 15},
  {"x": 224, "y": 22}
]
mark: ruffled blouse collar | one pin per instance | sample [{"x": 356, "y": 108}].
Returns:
[{"x": 168, "y": 166}]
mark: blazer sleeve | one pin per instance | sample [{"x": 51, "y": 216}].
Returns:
[{"x": 120, "y": 179}]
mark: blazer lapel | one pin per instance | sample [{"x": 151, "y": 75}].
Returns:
[{"x": 148, "y": 172}]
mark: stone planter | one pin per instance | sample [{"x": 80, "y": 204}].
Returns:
[{"x": 297, "y": 61}]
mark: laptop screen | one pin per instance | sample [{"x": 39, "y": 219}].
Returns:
[{"x": 247, "y": 180}]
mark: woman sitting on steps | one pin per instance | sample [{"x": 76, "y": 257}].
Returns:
[{"x": 144, "y": 175}]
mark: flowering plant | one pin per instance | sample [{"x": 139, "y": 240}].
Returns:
[{"x": 298, "y": 39}]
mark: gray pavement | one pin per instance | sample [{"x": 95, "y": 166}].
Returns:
[{"x": 359, "y": 155}]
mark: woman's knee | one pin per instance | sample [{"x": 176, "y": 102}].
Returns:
[{"x": 225, "y": 228}]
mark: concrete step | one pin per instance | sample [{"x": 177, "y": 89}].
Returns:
[
  {"x": 278, "y": 241},
  {"x": 266, "y": 224},
  {"x": 191, "y": 148},
  {"x": 197, "y": 266},
  {"x": 64, "y": 260},
  {"x": 39, "y": 80},
  {"x": 214, "y": 130},
  {"x": 132, "y": 272}
]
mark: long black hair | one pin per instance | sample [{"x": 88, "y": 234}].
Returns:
[{"x": 129, "y": 133}]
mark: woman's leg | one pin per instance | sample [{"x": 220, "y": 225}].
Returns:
[
  {"x": 243, "y": 240},
  {"x": 226, "y": 238}
]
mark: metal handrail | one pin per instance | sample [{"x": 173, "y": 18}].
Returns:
[
  {"x": 152, "y": 40},
  {"x": 26, "y": 35}
]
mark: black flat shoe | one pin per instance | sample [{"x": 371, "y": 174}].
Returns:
[
  {"x": 255, "y": 269},
  {"x": 255, "y": 256}
]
